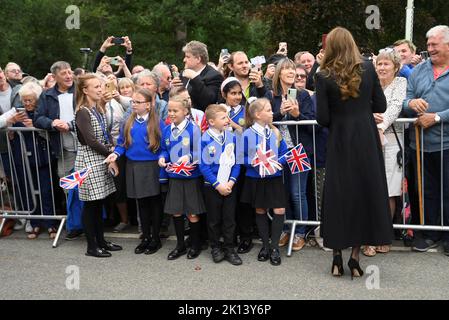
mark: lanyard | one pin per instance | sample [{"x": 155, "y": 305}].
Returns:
[{"x": 102, "y": 124}]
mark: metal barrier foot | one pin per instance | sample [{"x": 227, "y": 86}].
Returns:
[
  {"x": 58, "y": 234},
  {"x": 290, "y": 241}
]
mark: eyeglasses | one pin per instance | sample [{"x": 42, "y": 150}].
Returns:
[
  {"x": 25, "y": 101},
  {"x": 137, "y": 102},
  {"x": 15, "y": 70},
  {"x": 301, "y": 76}
]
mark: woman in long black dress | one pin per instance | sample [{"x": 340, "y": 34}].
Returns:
[{"x": 355, "y": 204}]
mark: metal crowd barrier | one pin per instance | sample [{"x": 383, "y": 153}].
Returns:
[
  {"x": 404, "y": 122},
  {"x": 24, "y": 199}
]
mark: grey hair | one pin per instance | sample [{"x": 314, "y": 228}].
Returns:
[
  {"x": 149, "y": 74},
  {"x": 439, "y": 30},
  {"x": 392, "y": 55},
  {"x": 9, "y": 65},
  {"x": 30, "y": 88},
  {"x": 59, "y": 65},
  {"x": 197, "y": 49}
]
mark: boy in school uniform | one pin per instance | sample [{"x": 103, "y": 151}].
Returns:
[{"x": 220, "y": 171}]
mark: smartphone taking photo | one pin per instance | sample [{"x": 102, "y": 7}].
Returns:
[
  {"x": 114, "y": 61},
  {"x": 118, "y": 40},
  {"x": 110, "y": 86},
  {"x": 291, "y": 94}
]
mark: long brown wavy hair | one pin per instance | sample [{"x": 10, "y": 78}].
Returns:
[
  {"x": 81, "y": 98},
  {"x": 343, "y": 62},
  {"x": 153, "y": 128}
]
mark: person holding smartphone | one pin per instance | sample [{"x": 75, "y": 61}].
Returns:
[
  {"x": 290, "y": 104},
  {"x": 110, "y": 42}
]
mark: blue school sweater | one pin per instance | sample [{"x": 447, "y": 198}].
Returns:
[
  {"x": 251, "y": 141},
  {"x": 139, "y": 149},
  {"x": 187, "y": 142},
  {"x": 211, "y": 150},
  {"x": 238, "y": 117}
]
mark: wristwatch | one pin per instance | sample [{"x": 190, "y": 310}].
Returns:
[{"x": 437, "y": 118}]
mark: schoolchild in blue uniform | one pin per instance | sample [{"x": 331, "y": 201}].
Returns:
[
  {"x": 181, "y": 143},
  {"x": 263, "y": 151},
  {"x": 139, "y": 141},
  {"x": 220, "y": 170}
]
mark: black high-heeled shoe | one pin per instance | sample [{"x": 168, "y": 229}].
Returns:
[
  {"x": 337, "y": 266},
  {"x": 354, "y": 266}
]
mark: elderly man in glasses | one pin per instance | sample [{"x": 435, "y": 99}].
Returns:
[{"x": 165, "y": 77}]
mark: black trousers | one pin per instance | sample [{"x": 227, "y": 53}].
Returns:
[
  {"x": 150, "y": 211},
  {"x": 244, "y": 213},
  {"x": 220, "y": 217},
  {"x": 93, "y": 223}
]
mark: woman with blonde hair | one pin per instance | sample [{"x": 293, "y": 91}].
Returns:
[
  {"x": 355, "y": 207},
  {"x": 94, "y": 146}
]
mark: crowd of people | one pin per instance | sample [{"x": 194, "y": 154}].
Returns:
[{"x": 192, "y": 143}]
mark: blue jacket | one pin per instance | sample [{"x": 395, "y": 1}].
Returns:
[
  {"x": 188, "y": 142},
  {"x": 211, "y": 151},
  {"x": 421, "y": 84},
  {"x": 251, "y": 141},
  {"x": 47, "y": 111},
  {"x": 139, "y": 149},
  {"x": 305, "y": 133}
]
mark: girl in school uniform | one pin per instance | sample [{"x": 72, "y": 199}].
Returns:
[
  {"x": 139, "y": 141},
  {"x": 263, "y": 146},
  {"x": 181, "y": 142},
  {"x": 231, "y": 90}
]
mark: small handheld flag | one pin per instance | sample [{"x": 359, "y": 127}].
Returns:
[
  {"x": 266, "y": 162},
  {"x": 75, "y": 179},
  {"x": 184, "y": 168},
  {"x": 297, "y": 159}
]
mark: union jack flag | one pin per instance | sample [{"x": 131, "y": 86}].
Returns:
[
  {"x": 75, "y": 179},
  {"x": 266, "y": 162},
  {"x": 297, "y": 159},
  {"x": 183, "y": 168}
]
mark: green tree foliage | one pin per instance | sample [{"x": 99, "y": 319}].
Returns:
[{"x": 33, "y": 33}]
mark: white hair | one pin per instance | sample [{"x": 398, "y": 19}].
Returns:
[
  {"x": 442, "y": 30},
  {"x": 30, "y": 88}
]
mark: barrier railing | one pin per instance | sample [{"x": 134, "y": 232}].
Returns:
[
  {"x": 402, "y": 122},
  {"x": 27, "y": 166}
]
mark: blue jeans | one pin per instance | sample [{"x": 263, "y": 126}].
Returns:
[
  {"x": 297, "y": 185},
  {"x": 432, "y": 193}
]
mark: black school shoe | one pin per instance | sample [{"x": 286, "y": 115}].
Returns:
[
  {"x": 193, "y": 253},
  {"x": 232, "y": 257},
  {"x": 275, "y": 257},
  {"x": 176, "y": 253},
  {"x": 142, "y": 246},
  {"x": 153, "y": 247},
  {"x": 218, "y": 255},
  {"x": 264, "y": 254},
  {"x": 110, "y": 246},
  {"x": 98, "y": 253},
  {"x": 245, "y": 246}
]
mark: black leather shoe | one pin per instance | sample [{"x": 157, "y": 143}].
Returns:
[
  {"x": 275, "y": 257},
  {"x": 218, "y": 255},
  {"x": 110, "y": 246},
  {"x": 98, "y": 253},
  {"x": 153, "y": 247},
  {"x": 264, "y": 254},
  {"x": 193, "y": 253},
  {"x": 232, "y": 257},
  {"x": 142, "y": 246},
  {"x": 245, "y": 246},
  {"x": 175, "y": 254}
]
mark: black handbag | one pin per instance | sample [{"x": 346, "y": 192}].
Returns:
[{"x": 399, "y": 159}]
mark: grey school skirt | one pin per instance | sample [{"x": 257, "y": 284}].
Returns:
[
  {"x": 185, "y": 196},
  {"x": 142, "y": 179}
]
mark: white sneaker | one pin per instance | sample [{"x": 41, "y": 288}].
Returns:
[
  {"x": 120, "y": 227},
  {"x": 28, "y": 227},
  {"x": 20, "y": 224}
]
